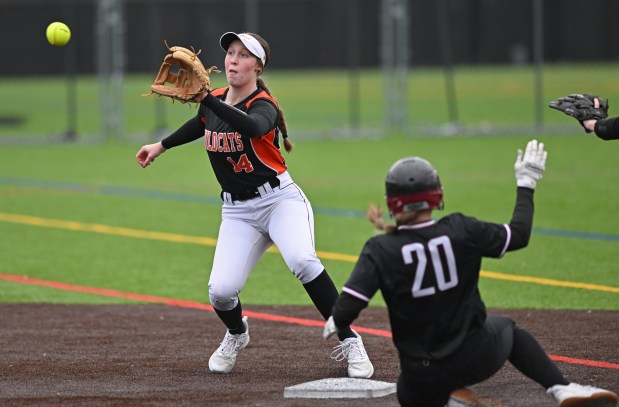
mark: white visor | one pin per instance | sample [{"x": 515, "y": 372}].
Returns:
[{"x": 248, "y": 41}]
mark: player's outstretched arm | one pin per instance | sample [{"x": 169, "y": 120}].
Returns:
[{"x": 148, "y": 153}]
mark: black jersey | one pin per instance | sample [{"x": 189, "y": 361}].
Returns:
[
  {"x": 428, "y": 275},
  {"x": 241, "y": 162}
]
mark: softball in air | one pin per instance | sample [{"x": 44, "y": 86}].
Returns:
[{"x": 58, "y": 34}]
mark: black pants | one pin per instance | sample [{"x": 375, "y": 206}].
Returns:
[{"x": 429, "y": 383}]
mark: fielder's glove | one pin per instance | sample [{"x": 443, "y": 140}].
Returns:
[
  {"x": 581, "y": 107},
  {"x": 330, "y": 329},
  {"x": 182, "y": 76},
  {"x": 530, "y": 165}
]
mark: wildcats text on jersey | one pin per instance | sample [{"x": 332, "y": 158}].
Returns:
[{"x": 222, "y": 142}]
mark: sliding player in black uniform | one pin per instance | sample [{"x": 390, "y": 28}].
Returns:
[{"x": 428, "y": 271}]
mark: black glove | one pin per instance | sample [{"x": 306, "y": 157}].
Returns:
[{"x": 581, "y": 107}]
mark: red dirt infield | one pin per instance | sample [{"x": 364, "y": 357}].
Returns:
[{"x": 157, "y": 355}]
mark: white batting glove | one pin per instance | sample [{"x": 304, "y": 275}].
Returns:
[
  {"x": 330, "y": 329},
  {"x": 530, "y": 165}
]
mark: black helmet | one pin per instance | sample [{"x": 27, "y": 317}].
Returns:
[{"x": 413, "y": 184}]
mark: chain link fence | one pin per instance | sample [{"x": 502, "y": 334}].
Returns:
[{"x": 340, "y": 68}]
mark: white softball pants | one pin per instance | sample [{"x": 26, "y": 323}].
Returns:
[{"x": 282, "y": 216}]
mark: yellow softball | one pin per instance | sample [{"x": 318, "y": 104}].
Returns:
[{"x": 58, "y": 34}]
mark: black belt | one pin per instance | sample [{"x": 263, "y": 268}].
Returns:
[{"x": 250, "y": 193}]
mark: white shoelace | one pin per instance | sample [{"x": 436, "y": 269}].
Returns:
[
  {"x": 351, "y": 351},
  {"x": 229, "y": 345}
]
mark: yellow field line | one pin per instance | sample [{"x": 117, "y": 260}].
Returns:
[
  {"x": 104, "y": 229},
  {"x": 208, "y": 241},
  {"x": 547, "y": 281}
]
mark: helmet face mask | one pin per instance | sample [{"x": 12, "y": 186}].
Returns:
[{"x": 413, "y": 184}]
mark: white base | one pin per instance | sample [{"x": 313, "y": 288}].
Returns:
[{"x": 340, "y": 388}]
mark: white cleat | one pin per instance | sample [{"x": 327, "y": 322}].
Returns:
[
  {"x": 576, "y": 395},
  {"x": 224, "y": 358},
  {"x": 352, "y": 349}
]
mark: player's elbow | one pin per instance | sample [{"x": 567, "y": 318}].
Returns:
[{"x": 518, "y": 241}]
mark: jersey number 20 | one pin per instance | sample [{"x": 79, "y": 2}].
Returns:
[{"x": 446, "y": 274}]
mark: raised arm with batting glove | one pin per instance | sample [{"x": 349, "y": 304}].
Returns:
[{"x": 529, "y": 169}]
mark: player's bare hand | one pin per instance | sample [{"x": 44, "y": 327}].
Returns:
[{"x": 148, "y": 153}]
